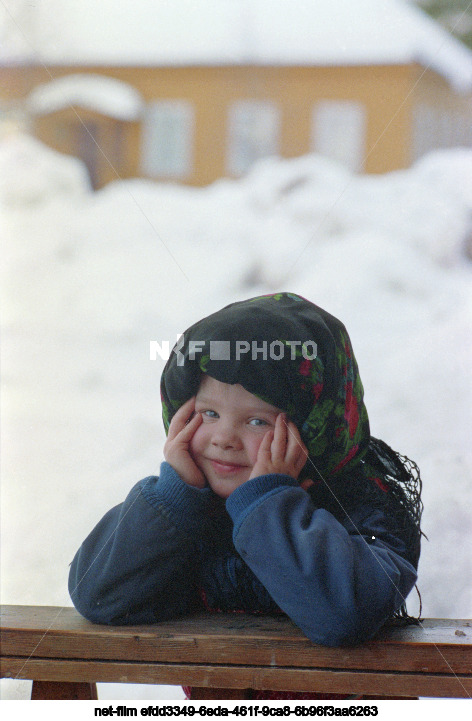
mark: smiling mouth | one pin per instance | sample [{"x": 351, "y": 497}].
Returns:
[{"x": 221, "y": 467}]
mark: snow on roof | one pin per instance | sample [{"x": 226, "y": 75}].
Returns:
[
  {"x": 306, "y": 32},
  {"x": 105, "y": 95}
]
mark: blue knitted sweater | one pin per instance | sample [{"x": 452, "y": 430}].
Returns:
[{"x": 268, "y": 548}]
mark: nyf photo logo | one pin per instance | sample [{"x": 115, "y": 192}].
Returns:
[{"x": 225, "y": 350}]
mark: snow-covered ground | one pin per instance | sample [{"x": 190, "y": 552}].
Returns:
[{"x": 89, "y": 279}]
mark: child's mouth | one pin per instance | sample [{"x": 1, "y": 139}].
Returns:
[{"x": 225, "y": 468}]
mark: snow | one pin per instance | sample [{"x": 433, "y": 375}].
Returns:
[
  {"x": 89, "y": 279},
  {"x": 36, "y": 173},
  {"x": 103, "y": 95},
  {"x": 181, "y": 32}
]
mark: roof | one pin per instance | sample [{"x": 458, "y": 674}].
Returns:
[{"x": 228, "y": 32}]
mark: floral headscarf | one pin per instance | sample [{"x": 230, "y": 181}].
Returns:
[
  {"x": 290, "y": 353},
  {"x": 297, "y": 357}
]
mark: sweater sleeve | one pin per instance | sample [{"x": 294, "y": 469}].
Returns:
[
  {"x": 338, "y": 583},
  {"x": 136, "y": 566}
]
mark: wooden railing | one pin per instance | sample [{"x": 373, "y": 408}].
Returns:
[{"x": 221, "y": 655}]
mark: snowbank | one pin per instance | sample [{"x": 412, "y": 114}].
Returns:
[
  {"x": 90, "y": 278},
  {"x": 32, "y": 174}
]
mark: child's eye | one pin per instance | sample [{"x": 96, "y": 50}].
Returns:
[
  {"x": 210, "y": 414},
  {"x": 258, "y": 422}
]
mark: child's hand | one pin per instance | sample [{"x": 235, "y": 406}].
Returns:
[
  {"x": 176, "y": 448},
  {"x": 281, "y": 451}
]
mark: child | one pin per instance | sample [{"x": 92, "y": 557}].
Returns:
[{"x": 273, "y": 495}]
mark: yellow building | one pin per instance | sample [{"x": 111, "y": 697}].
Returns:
[{"x": 372, "y": 83}]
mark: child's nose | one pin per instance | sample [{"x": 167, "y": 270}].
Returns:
[{"x": 225, "y": 435}]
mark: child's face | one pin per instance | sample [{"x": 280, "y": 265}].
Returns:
[{"x": 225, "y": 445}]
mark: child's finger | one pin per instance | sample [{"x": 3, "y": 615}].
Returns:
[
  {"x": 180, "y": 418},
  {"x": 279, "y": 443},
  {"x": 266, "y": 444},
  {"x": 190, "y": 427}
]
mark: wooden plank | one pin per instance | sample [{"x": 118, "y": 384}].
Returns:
[
  {"x": 437, "y": 647},
  {"x": 41, "y": 618},
  {"x": 203, "y": 693},
  {"x": 282, "y": 679},
  {"x": 63, "y": 691}
]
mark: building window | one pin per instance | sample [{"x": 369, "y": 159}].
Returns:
[
  {"x": 167, "y": 139},
  {"x": 253, "y": 134},
  {"x": 339, "y": 131}
]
